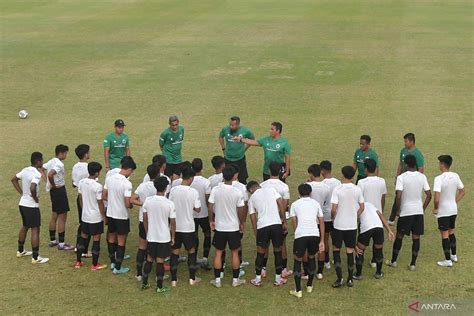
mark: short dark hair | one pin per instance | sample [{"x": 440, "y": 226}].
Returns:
[
  {"x": 278, "y": 126},
  {"x": 315, "y": 170},
  {"x": 36, "y": 157},
  {"x": 228, "y": 173},
  {"x": 60, "y": 149},
  {"x": 197, "y": 164},
  {"x": 410, "y": 161},
  {"x": 410, "y": 137},
  {"x": 124, "y": 159},
  {"x": 446, "y": 159},
  {"x": 304, "y": 189},
  {"x": 153, "y": 171},
  {"x": 128, "y": 163},
  {"x": 325, "y": 165},
  {"x": 161, "y": 183},
  {"x": 366, "y": 138},
  {"x": 370, "y": 165},
  {"x": 217, "y": 161},
  {"x": 81, "y": 150},
  {"x": 251, "y": 184},
  {"x": 274, "y": 168},
  {"x": 93, "y": 167},
  {"x": 160, "y": 160},
  {"x": 236, "y": 119},
  {"x": 187, "y": 173},
  {"x": 348, "y": 172}
]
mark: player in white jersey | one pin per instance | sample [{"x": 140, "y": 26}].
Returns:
[
  {"x": 218, "y": 163},
  {"x": 92, "y": 217},
  {"x": 410, "y": 209},
  {"x": 160, "y": 161},
  {"x": 449, "y": 190},
  {"x": 30, "y": 178}
]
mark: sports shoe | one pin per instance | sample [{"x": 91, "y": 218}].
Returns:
[
  {"x": 39, "y": 260},
  {"x": 78, "y": 264},
  {"x": 195, "y": 281},
  {"x": 373, "y": 265},
  {"x": 241, "y": 273},
  {"x": 64, "y": 246},
  {"x": 238, "y": 283},
  {"x": 350, "y": 283},
  {"x": 174, "y": 283},
  {"x": 319, "y": 276},
  {"x": 378, "y": 276},
  {"x": 304, "y": 276},
  {"x": 327, "y": 265},
  {"x": 357, "y": 276},
  {"x": 256, "y": 283},
  {"x": 144, "y": 286},
  {"x": 297, "y": 294},
  {"x": 138, "y": 278},
  {"x": 244, "y": 264},
  {"x": 53, "y": 243},
  {"x": 412, "y": 267},
  {"x": 199, "y": 261},
  {"x": 216, "y": 283},
  {"x": 126, "y": 257},
  {"x": 445, "y": 263},
  {"x": 264, "y": 273},
  {"x": 87, "y": 255},
  {"x": 286, "y": 273},
  {"x": 454, "y": 258},
  {"x": 391, "y": 223},
  {"x": 338, "y": 283},
  {"x": 391, "y": 264},
  {"x": 112, "y": 266},
  {"x": 121, "y": 271},
  {"x": 283, "y": 281},
  {"x": 309, "y": 289},
  {"x": 182, "y": 259},
  {"x": 98, "y": 266},
  {"x": 24, "y": 253},
  {"x": 162, "y": 290}
]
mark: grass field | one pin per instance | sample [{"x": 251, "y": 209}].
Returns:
[{"x": 328, "y": 70}]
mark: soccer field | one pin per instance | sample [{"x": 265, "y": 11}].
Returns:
[{"x": 330, "y": 71}]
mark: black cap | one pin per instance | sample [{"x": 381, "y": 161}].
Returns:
[{"x": 119, "y": 123}]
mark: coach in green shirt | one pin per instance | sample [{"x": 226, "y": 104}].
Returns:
[
  {"x": 234, "y": 151},
  {"x": 116, "y": 146},
  {"x": 363, "y": 153},
  {"x": 171, "y": 140}
]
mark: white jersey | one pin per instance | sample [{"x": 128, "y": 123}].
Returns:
[
  {"x": 307, "y": 211},
  {"x": 111, "y": 172},
  {"x": 242, "y": 188},
  {"x": 373, "y": 188},
  {"x": 91, "y": 192},
  {"x": 369, "y": 218},
  {"x": 216, "y": 179},
  {"x": 332, "y": 183},
  {"x": 412, "y": 184},
  {"x": 159, "y": 211},
  {"x": 58, "y": 166},
  {"x": 263, "y": 202},
  {"x": 144, "y": 190},
  {"x": 118, "y": 188},
  {"x": 320, "y": 192},
  {"x": 347, "y": 196},
  {"x": 226, "y": 200},
  {"x": 79, "y": 172},
  {"x": 176, "y": 183},
  {"x": 203, "y": 187},
  {"x": 27, "y": 176},
  {"x": 185, "y": 199},
  {"x": 447, "y": 184},
  {"x": 279, "y": 186},
  {"x": 146, "y": 178}
]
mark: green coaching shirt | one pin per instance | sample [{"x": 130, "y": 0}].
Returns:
[
  {"x": 235, "y": 150},
  {"x": 274, "y": 150},
  {"x": 420, "y": 160},
  {"x": 172, "y": 143},
  {"x": 117, "y": 145},
  {"x": 361, "y": 156}
]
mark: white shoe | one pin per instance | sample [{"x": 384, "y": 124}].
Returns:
[
  {"x": 23, "y": 254},
  {"x": 199, "y": 261},
  {"x": 195, "y": 281},
  {"x": 216, "y": 283},
  {"x": 412, "y": 267},
  {"x": 138, "y": 278},
  {"x": 182, "y": 259},
  {"x": 373, "y": 265},
  {"x": 391, "y": 223},
  {"x": 454, "y": 258},
  {"x": 327, "y": 265},
  {"x": 391, "y": 264},
  {"x": 244, "y": 264},
  {"x": 39, "y": 260},
  {"x": 238, "y": 283},
  {"x": 174, "y": 283},
  {"x": 445, "y": 263},
  {"x": 319, "y": 276}
]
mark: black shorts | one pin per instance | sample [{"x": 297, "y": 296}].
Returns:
[
  {"x": 92, "y": 229},
  {"x": 188, "y": 239},
  {"x": 348, "y": 236},
  {"x": 414, "y": 224},
  {"x": 328, "y": 227},
  {"x": 282, "y": 172},
  {"x": 202, "y": 222},
  {"x": 303, "y": 244},
  {"x": 273, "y": 233},
  {"x": 141, "y": 230},
  {"x": 118, "y": 226},
  {"x": 375, "y": 233},
  {"x": 242, "y": 165},
  {"x": 30, "y": 216},
  {"x": 221, "y": 239},
  {"x": 171, "y": 168},
  {"x": 159, "y": 249},
  {"x": 447, "y": 222},
  {"x": 59, "y": 201}
]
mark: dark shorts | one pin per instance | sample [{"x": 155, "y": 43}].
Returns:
[
  {"x": 171, "y": 168},
  {"x": 328, "y": 227},
  {"x": 118, "y": 226},
  {"x": 221, "y": 239},
  {"x": 159, "y": 249},
  {"x": 273, "y": 233},
  {"x": 414, "y": 224},
  {"x": 303, "y": 244},
  {"x": 347, "y": 236},
  {"x": 282, "y": 172},
  {"x": 79, "y": 209},
  {"x": 141, "y": 230},
  {"x": 203, "y": 223},
  {"x": 30, "y": 216},
  {"x": 59, "y": 201},
  {"x": 242, "y": 165},
  {"x": 375, "y": 233},
  {"x": 447, "y": 222},
  {"x": 188, "y": 239},
  {"x": 92, "y": 229}
]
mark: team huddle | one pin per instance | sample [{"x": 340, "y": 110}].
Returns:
[{"x": 175, "y": 201}]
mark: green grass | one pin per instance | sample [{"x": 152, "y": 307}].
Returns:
[{"x": 328, "y": 70}]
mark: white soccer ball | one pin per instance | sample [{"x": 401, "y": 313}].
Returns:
[{"x": 23, "y": 114}]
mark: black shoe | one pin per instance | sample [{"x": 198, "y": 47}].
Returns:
[
  {"x": 338, "y": 283},
  {"x": 350, "y": 283},
  {"x": 357, "y": 276},
  {"x": 378, "y": 275}
]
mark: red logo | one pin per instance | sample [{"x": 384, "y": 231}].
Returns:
[{"x": 415, "y": 306}]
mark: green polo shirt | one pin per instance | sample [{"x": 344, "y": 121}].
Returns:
[
  {"x": 117, "y": 145},
  {"x": 361, "y": 156},
  {"x": 420, "y": 160},
  {"x": 235, "y": 150},
  {"x": 274, "y": 150},
  {"x": 172, "y": 144}
]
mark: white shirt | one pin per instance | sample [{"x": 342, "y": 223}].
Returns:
[
  {"x": 412, "y": 184},
  {"x": 370, "y": 218},
  {"x": 373, "y": 188},
  {"x": 264, "y": 202},
  {"x": 118, "y": 188},
  {"x": 144, "y": 190},
  {"x": 215, "y": 179},
  {"x": 447, "y": 184},
  {"x": 91, "y": 192},
  {"x": 203, "y": 187},
  {"x": 146, "y": 178},
  {"x": 79, "y": 172},
  {"x": 28, "y": 176},
  {"x": 58, "y": 166},
  {"x": 332, "y": 183},
  {"x": 347, "y": 196},
  {"x": 185, "y": 199},
  {"x": 226, "y": 200},
  {"x": 321, "y": 194},
  {"x": 242, "y": 188},
  {"x": 176, "y": 182},
  {"x": 159, "y": 211},
  {"x": 111, "y": 172},
  {"x": 280, "y": 186},
  {"x": 307, "y": 211}
]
